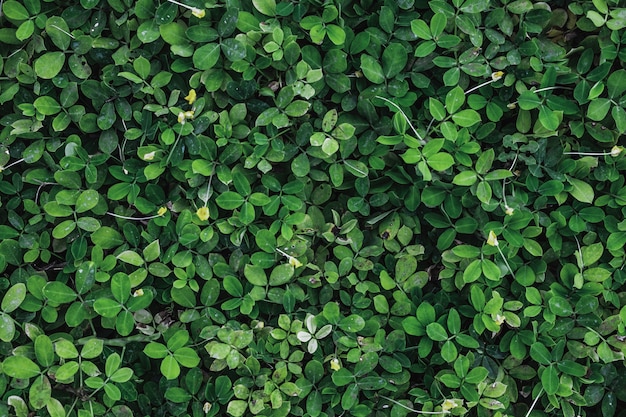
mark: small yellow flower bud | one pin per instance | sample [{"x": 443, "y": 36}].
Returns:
[
  {"x": 149, "y": 156},
  {"x": 189, "y": 114},
  {"x": 191, "y": 97},
  {"x": 203, "y": 213},
  {"x": 499, "y": 319},
  {"x": 162, "y": 211},
  {"x": 199, "y": 13},
  {"x": 509, "y": 210},
  {"x": 206, "y": 407},
  {"x": 492, "y": 240},
  {"x": 511, "y": 106},
  {"x": 294, "y": 262},
  {"x": 138, "y": 293},
  {"x": 495, "y": 76},
  {"x": 616, "y": 150},
  {"x": 181, "y": 117},
  {"x": 334, "y": 364}
]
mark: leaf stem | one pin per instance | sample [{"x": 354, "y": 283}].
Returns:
[
  {"x": 412, "y": 409},
  {"x": 403, "y": 114}
]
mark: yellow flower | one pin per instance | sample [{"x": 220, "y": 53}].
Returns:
[
  {"x": 199, "y": 13},
  {"x": 149, "y": 156},
  {"x": 616, "y": 150},
  {"x": 492, "y": 240},
  {"x": 189, "y": 114},
  {"x": 181, "y": 117},
  {"x": 191, "y": 97},
  {"x": 448, "y": 404},
  {"x": 509, "y": 210},
  {"x": 138, "y": 293},
  {"x": 206, "y": 407},
  {"x": 294, "y": 262},
  {"x": 495, "y": 76},
  {"x": 334, "y": 364},
  {"x": 162, "y": 211},
  {"x": 203, "y": 213},
  {"x": 499, "y": 319}
]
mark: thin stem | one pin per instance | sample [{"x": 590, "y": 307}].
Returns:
[
  {"x": 403, "y": 114},
  {"x": 11, "y": 164},
  {"x": 61, "y": 30},
  {"x": 412, "y": 409},
  {"x": 532, "y": 406},
  {"x": 505, "y": 261},
  {"x": 587, "y": 153},
  {"x": 119, "y": 216}
]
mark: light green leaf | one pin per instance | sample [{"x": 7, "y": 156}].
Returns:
[
  {"x": 267, "y": 7},
  {"x": 131, "y": 257},
  {"x": 466, "y": 118},
  {"x": 13, "y": 298},
  {"x": 20, "y": 367},
  {"x": 581, "y": 191},
  {"x": 281, "y": 274},
  {"x": 372, "y": 70},
  {"x": 206, "y": 56},
  {"x": 49, "y": 64}
]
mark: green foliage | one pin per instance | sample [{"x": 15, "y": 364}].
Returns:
[{"x": 347, "y": 207}]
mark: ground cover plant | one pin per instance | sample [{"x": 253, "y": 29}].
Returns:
[{"x": 312, "y": 208}]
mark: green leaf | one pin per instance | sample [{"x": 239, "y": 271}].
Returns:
[
  {"x": 67, "y": 371},
  {"x": 58, "y": 31},
  {"x": 528, "y": 100},
  {"x": 59, "y": 293},
  {"x": 55, "y": 408},
  {"x": 598, "y": 109},
  {"x": 342, "y": 377},
  {"x": 372, "y": 70},
  {"x": 437, "y": 109},
  {"x": 421, "y": 29},
  {"x": 92, "y": 348},
  {"x": 206, "y": 56},
  {"x": 47, "y": 106},
  {"x": 465, "y": 178},
  {"x": 131, "y": 257},
  {"x": 255, "y": 275},
  {"x": 229, "y": 200},
  {"x": 187, "y": 357},
  {"x": 107, "y": 307},
  {"x": 170, "y": 368},
  {"x": 297, "y": 108},
  {"x": 14, "y": 10},
  {"x": 7, "y": 327},
  {"x": 455, "y": 99},
  {"x": 440, "y": 161},
  {"x": 540, "y": 353},
  {"x": 581, "y": 191},
  {"x": 13, "y": 298},
  {"x": 87, "y": 200},
  {"x": 394, "y": 59},
  {"x": 352, "y": 324},
  {"x": 237, "y": 408},
  {"x": 560, "y": 306},
  {"x": 49, "y": 64},
  {"x": 616, "y": 83},
  {"x": 63, "y": 229},
  {"x": 268, "y": 8},
  {"x": 155, "y": 350},
  {"x": 551, "y": 188},
  {"x": 550, "y": 380},
  {"x": 436, "y": 332},
  {"x": 40, "y": 392},
  {"x": 281, "y": 274},
  {"x": 466, "y": 118},
  {"x": 20, "y": 367}
]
